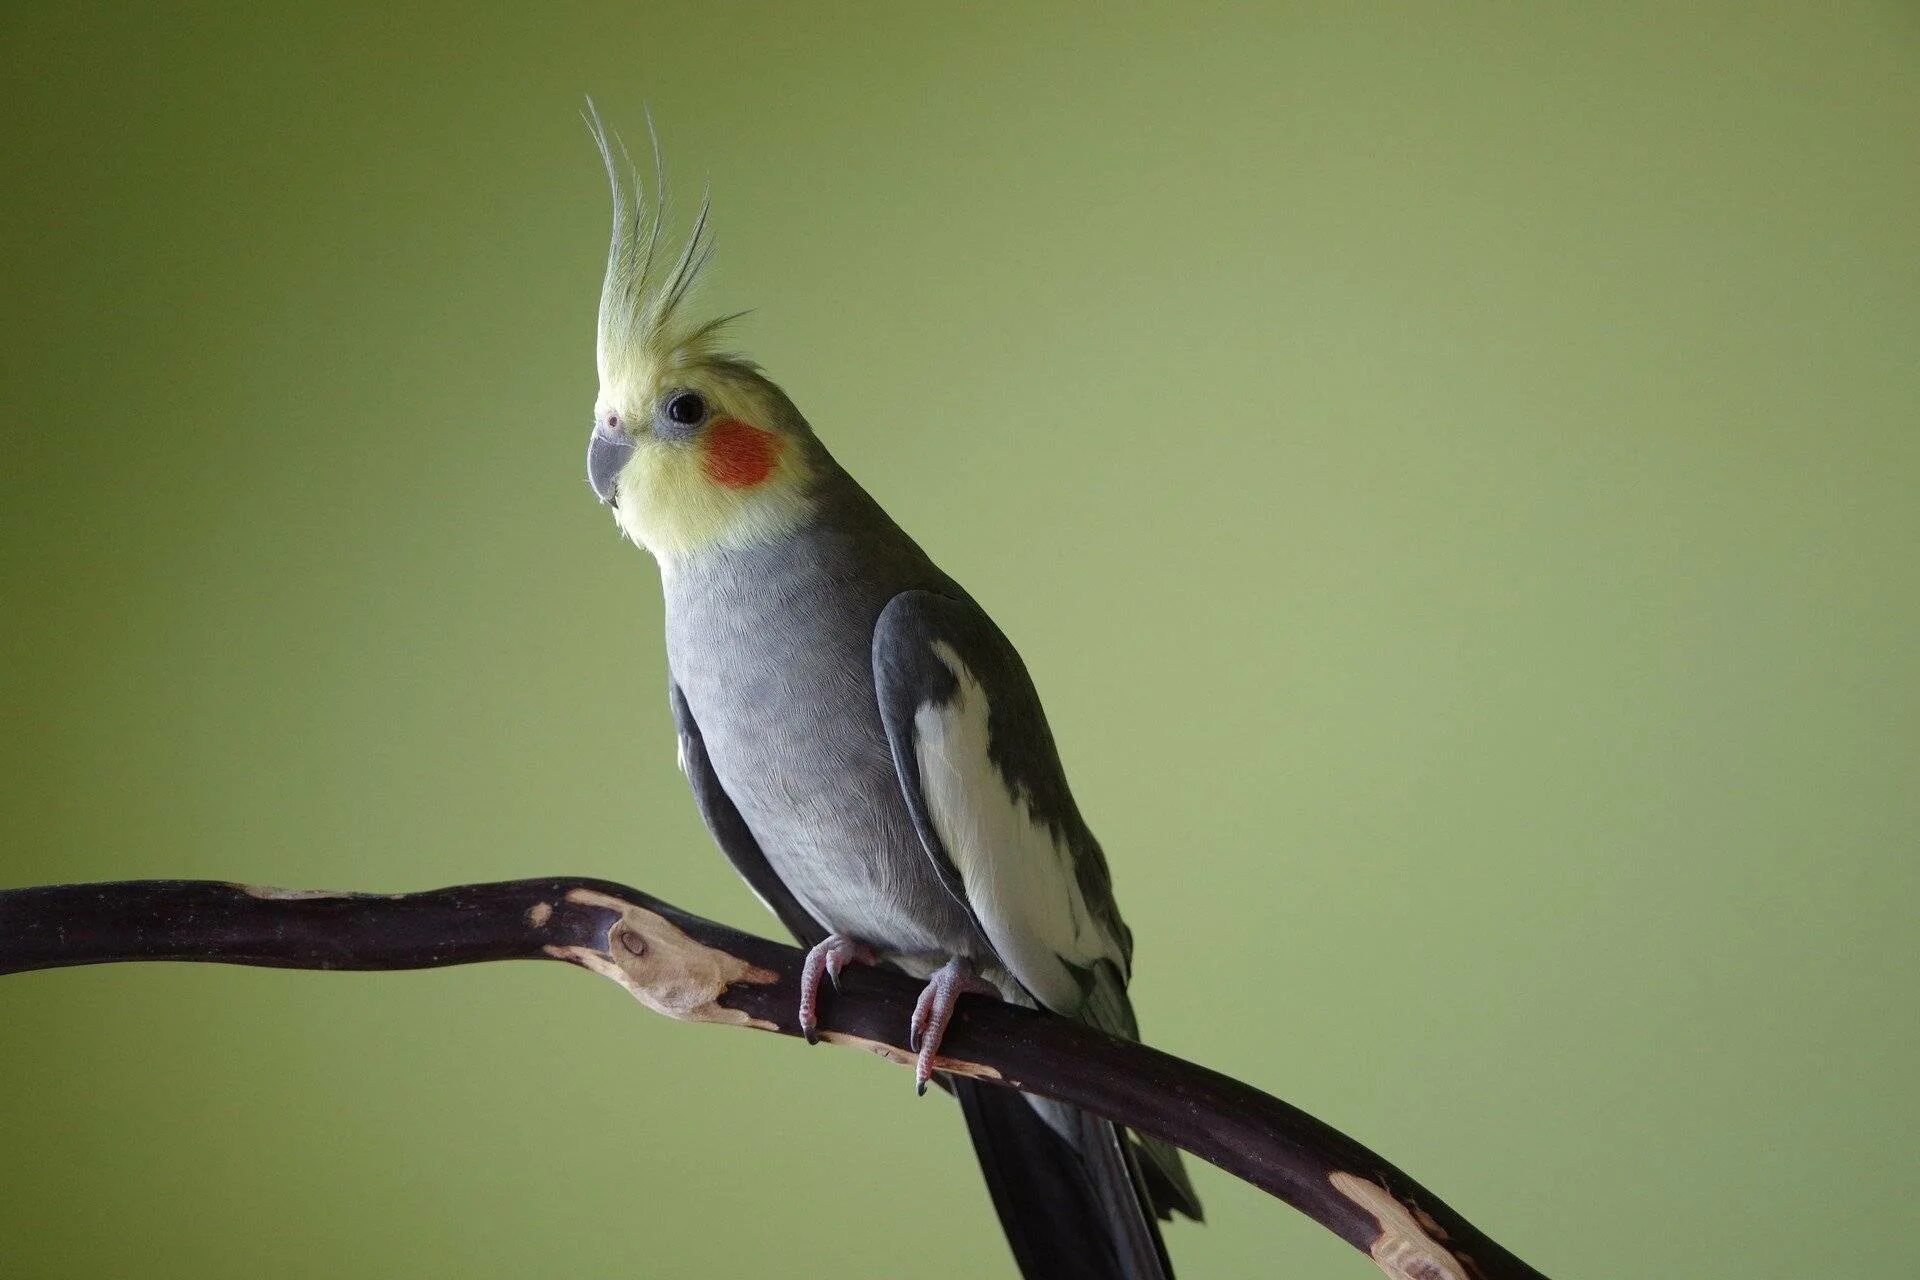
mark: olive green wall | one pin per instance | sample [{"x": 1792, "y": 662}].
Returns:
[{"x": 1451, "y": 468}]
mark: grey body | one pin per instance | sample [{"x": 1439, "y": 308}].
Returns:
[
  {"x": 798, "y": 667},
  {"x": 771, "y": 646},
  {"x": 801, "y": 668}
]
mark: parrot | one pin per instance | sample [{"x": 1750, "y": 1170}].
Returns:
[{"x": 862, "y": 741}]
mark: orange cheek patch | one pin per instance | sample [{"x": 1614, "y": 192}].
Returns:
[{"x": 737, "y": 455}]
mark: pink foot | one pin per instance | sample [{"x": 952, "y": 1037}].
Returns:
[
  {"x": 935, "y": 1010},
  {"x": 832, "y": 955}
]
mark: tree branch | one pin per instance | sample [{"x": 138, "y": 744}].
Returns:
[{"x": 700, "y": 971}]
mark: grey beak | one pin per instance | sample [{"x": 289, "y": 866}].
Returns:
[{"x": 607, "y": 452}]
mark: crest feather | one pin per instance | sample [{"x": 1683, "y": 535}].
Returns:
[{"x": 640, "y": 329}]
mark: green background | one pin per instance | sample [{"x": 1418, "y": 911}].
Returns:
[{"x": 1451, "y": 469}]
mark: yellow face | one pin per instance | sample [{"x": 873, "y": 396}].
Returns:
[
  {"x": 698, "y": 453},
  {"x": 691, "y": 449}
]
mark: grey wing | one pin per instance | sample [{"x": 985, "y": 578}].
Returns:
[
  {"x": 981, "y": 775},
  {"x": 730, "y": 831}
]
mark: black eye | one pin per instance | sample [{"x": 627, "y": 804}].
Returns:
[{"x": 686, "y": 407}]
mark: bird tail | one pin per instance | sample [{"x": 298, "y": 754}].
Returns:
[{"x": 1070, "y": 1188}]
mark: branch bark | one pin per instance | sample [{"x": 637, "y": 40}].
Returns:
[{"x": 699, "y": 971}]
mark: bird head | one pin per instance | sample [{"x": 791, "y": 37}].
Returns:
[{"x": 691, "y": 447}]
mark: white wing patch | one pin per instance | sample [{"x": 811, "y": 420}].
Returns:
[{"x": 1019, "y": 880}]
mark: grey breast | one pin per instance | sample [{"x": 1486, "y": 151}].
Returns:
[{"x": 772, "y": 648}]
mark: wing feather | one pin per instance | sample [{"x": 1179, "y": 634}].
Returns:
[
  {"x": 982, "y": 778},
  {"x": 981, "y": 775}
]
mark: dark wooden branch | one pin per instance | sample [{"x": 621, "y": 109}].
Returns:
[{"x": 700, "y": 971}]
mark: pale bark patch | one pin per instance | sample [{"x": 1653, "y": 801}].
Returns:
[
  {"x": 1404, "y": 1249},
  {"x": 270, "y": 894},
  {"x": 894, "y": 1053},
  {"x": 663, "y": 966}
]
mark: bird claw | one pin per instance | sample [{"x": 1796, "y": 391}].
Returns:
[
  {"x": 831, "y": 955},
  {"x": 934, "y": 1010},
  {"x": 839, "y": 958}
]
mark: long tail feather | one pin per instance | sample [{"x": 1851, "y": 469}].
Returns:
[{"x": 1073, "y": 1209}]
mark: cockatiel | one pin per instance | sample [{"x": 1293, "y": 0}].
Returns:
[{"x": 864, "y": 744}]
